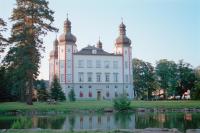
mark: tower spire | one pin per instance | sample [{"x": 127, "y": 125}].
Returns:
[
  {"x": 99, "y": 44},
  {"x": 67, "y": 25}
]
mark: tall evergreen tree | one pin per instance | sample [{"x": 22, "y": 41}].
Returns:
[
  {"x": 56, "y": 90},
  {"x": 32, "y": 19},
  {"x": 71, "y": 95},
  {"x": 3, "y": 41}
]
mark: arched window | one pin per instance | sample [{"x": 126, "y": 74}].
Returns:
[
  {"x": 116, "y": 94},
  {"x": 107, "y": 94},
  {"x": 81, "y": 94},
  {"x": 90, "y": 94}
]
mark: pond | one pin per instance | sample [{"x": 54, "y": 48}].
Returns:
[{"x": 103, "y": 121}]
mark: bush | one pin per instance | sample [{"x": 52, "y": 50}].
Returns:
[
  {"x": 71, "y": 95},
  {"x": 122, "y": 103}
]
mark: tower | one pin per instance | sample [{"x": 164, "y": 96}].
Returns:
[
  {"x": 53, "y": 61},
  {"x": 123, "y": 47},
  {"x": 66, "y": 48}
]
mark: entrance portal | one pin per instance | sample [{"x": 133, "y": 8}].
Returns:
[{"x": 98, "y": 95}]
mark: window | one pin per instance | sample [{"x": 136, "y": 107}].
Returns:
[
  {"x": 62, "y": 64},
  {"x": 106, "y": 64},
  {"x": 69, "y": 63},
  {"x": 69, "y": 77},
  {"x": 116, "y": 94},
  {"x": 89, "y": 63},
  {"x": 98, "y": 77},
  {"x": 125, "y": 52},
  {"x": 98, "y": 64},
  {"x": 80, "y": 63},
  {"x": 126, "y": 64},
  {"x": 62, "y": 78},
  {"x": 81, "y": 94},
  {"x": 80, "y": 77},
  {"x": 68, "y": 50},
  {"x": 115, "y": 64},
  {"x": 89, "y": 75},
  {"x": 94, "y": 51},
  {"x": 107, "y": 94},
  {"x": 90, "y": 94},
  {"x": 126, "y": 78},
  {"x": 107, "y": 77},
  {"x": 115, "y": 77}
]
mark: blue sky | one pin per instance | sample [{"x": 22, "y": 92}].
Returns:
[{"x": 158, "y": 28}]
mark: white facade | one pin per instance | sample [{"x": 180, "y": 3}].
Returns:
[{"x": 92, "y": 72}]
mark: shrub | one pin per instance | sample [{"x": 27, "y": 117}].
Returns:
[
  {"x": 71, "y": 95},
  {"x": 122, "y": 103}
]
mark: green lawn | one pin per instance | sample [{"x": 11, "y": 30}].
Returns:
[
  {"x": 55, "y": 131},
  {"x": 95, "y": 105}
]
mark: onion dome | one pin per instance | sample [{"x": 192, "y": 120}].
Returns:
[
  {"x": 123, "y": 39},
  {"x": 67, "y": 36},
  {"x": 99, "y": 44},
  {"x": 54, "y": 52}
]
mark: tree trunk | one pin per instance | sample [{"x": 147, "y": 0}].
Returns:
[{"x": 29, "y": 95}]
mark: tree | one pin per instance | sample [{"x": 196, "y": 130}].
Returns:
[
  {"x": 3, "y": 41},
  {"x": 32, "y": 19},
  {"x": 167, "y": 76},
  {"x": 71, "y": 95},
  {"x": 42, "y": 93},
  {"x": 144, "y": 79},
  {"x": 195, "y": 92},
  {"x": 186, "y": 78},
  {"x": 56, "y": 90},
  {"x": 122, "y": 103}
]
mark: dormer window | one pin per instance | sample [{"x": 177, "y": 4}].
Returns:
[{"x": 94, "y": 51}]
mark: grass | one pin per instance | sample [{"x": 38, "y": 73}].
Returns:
[
  {"x": 55, "y": 131},
  {"x": 94, "y": 105}
]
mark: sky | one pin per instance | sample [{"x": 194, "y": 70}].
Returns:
[{"x": 159, "y": 29}]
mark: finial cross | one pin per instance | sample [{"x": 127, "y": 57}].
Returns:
[{"x": 122, "y": 19}]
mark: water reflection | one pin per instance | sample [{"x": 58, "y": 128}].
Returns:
[{"x": 105, "y": 121}]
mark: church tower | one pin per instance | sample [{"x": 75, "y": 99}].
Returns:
[
  {"x": 123, "y": 47},
  {"x": 53, "y": 61},
  {"x": 66, "y": 47}
]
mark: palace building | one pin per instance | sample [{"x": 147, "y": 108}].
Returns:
[{"x": 92, "y": 72}]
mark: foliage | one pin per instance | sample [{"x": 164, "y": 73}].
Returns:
[
  {"x": 71, "y": 95},
  {"x": 167, "y": 76},
  {"x": 144, "y": 79},
  {"x": 42, "y": 93},
  {"x": 186, "y": 77},
  {"x": 56, "y": 90},
  {"x": 195, "y": 92},
  {"x": 4, "y": 92},
  {"x": 22, "y": 123},
  {"x": 122, "y": 103},
  {"x": 3, "y": 41},
  {"x": 31, "y": 20}
]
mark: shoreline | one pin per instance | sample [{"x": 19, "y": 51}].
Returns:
[
  {"x": 98, "y": 106},
  {"x": 149, "y": 130}
]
